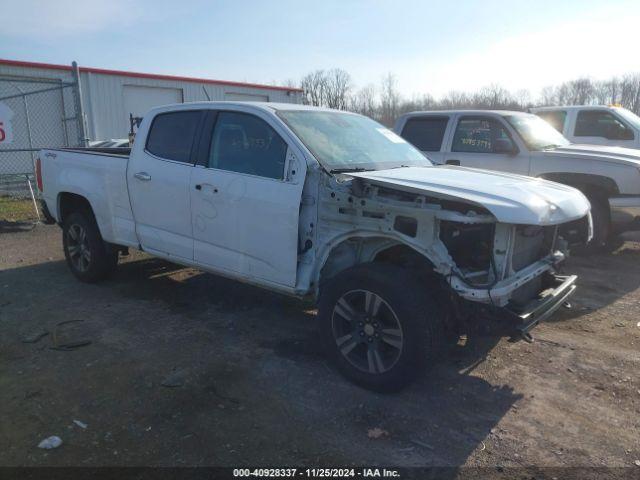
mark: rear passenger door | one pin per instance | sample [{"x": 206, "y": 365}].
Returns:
[
  {"x": 485, "y": 142},
  {"x": 158, "y": 178},
  {"x": 427, "y": 134},
  {"x": 245, "y": 198}
]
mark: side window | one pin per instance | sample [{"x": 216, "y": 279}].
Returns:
[
  {"x": 244, "y": 143},
  {"x": 600, "y": 123},
  {"x": 171, "y": 135},
  {"x": 481, "y": 135},
  {"x": 554, "y": 118},
  {"x": 426, "y": 133}
]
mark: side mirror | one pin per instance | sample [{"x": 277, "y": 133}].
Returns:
[{"x": 503, "y": 145}]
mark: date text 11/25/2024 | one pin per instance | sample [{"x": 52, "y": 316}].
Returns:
[{"x": 316, "y": 472}]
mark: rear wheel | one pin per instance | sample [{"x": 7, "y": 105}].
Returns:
[
  {"x": 380, "y": 327},
  {"x": 89, "y": 258}
]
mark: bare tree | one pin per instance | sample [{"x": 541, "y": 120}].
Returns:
[
  {"x": 389, "y": 99},
  {"x": 630, "y": 92},
  {"x": 337, "y": 84},
  {"x": 364, "y": 101},
  {"x": 548, "y": 96},
  {"x": 581, "y": 91},
  {"x": 314, "y": 86},
  {"x": 494, "y": 96},
  {"x": 333, "y": 88},
  {"x": 455, "y": 99},
  {"x": 523, "y": 99},
  {"x": 417, "y": 103}
]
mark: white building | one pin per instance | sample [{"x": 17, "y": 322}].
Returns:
[{"x": 109, "y": 96}]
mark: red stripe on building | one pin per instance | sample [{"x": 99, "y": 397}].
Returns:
[{"x": 102, "y": 71}]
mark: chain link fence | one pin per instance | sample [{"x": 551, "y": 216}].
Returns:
[{"x": 35, "y": 114}]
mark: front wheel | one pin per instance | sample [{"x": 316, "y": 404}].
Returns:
[
  {"x": 89, "y": 258},
  {"x": 380, "y": 327}
]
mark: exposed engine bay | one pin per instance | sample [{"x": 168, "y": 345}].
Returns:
[{"x": 480, "y": 258}]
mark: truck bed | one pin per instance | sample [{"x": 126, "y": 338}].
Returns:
[{"x": 98, "y": 175}]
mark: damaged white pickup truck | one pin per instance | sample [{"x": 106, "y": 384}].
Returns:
[{"x": 401, "y": 255}]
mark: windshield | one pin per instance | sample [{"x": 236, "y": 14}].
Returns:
[
  {"x": 349, "y": 142},
  {"x": 629, "y": 116},
  {"x": 536, "y": 133}
]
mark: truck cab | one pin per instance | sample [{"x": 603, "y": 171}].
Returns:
[{"x": 594, "y": 124}]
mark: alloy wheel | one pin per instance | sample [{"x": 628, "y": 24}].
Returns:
[
  {"x": 78, "y": 247},
  {"x": 367, "y": 331}
]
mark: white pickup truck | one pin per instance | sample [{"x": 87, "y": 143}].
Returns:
[
  {"x": 317, "y": 203},
  {"x": 523, "y": 143},
  {"x": 594, "y": 124}
]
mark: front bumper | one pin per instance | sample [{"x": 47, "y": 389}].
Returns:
[
  {"x": 545, "y": 305},
  {"x": 500, "y": 293},
  {"x": 625, "y": 212}
]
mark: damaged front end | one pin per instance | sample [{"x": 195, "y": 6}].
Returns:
[{"x": 510, "y": 269}]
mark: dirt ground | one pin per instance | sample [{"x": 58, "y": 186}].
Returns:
[{"x": 248, "y": 385}]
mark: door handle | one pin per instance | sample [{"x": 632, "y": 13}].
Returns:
[
  {"x": 144, "y": 176},
  {"x": 199, "y": 187},
  {"x": 453, "y": 162}
]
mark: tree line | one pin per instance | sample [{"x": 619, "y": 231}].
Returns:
[{"x": 334, "y": 88}]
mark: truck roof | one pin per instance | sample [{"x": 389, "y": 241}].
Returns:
[
  {"x": 267, "y": 106},
  {"x": 467, "y": 112},
  {"x": 575, "y": 107}
]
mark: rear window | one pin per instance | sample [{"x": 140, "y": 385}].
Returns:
[
  {"x": 426, "y": 133},
  {"x": 554, "y": 118},
  {"x": 171, "y": 135}
]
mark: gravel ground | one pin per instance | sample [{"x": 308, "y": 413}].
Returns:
[{"x": 186, "y": 368}]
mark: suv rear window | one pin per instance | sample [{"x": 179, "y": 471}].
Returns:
[
  {"x": 425, "y": 133},
  {"x": 554, "y": 118},
  {"x": 171, "y": 135}
]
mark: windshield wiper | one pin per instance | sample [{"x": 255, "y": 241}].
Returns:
[
  {"x": 551, "y": 146},
  {"x": 350, "y": 169}
]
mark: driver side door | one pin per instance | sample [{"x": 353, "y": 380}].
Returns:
[{"x": 245, "y": 199}]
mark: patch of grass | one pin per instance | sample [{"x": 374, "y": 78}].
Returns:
[{"x": 16, "y": 209}]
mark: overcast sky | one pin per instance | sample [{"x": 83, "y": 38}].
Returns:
[{"x": 431, "y": 47}]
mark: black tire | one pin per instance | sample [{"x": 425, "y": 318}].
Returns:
[
  {"x": 403, "y": 300},
  {"x": 601, "y": 218},
  {"x": 89, "y": 257}
]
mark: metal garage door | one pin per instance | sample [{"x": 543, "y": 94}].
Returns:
[{"x": 138, "y": 100}]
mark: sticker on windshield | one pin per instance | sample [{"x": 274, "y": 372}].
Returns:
[{"x": 391, "y": 136}]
